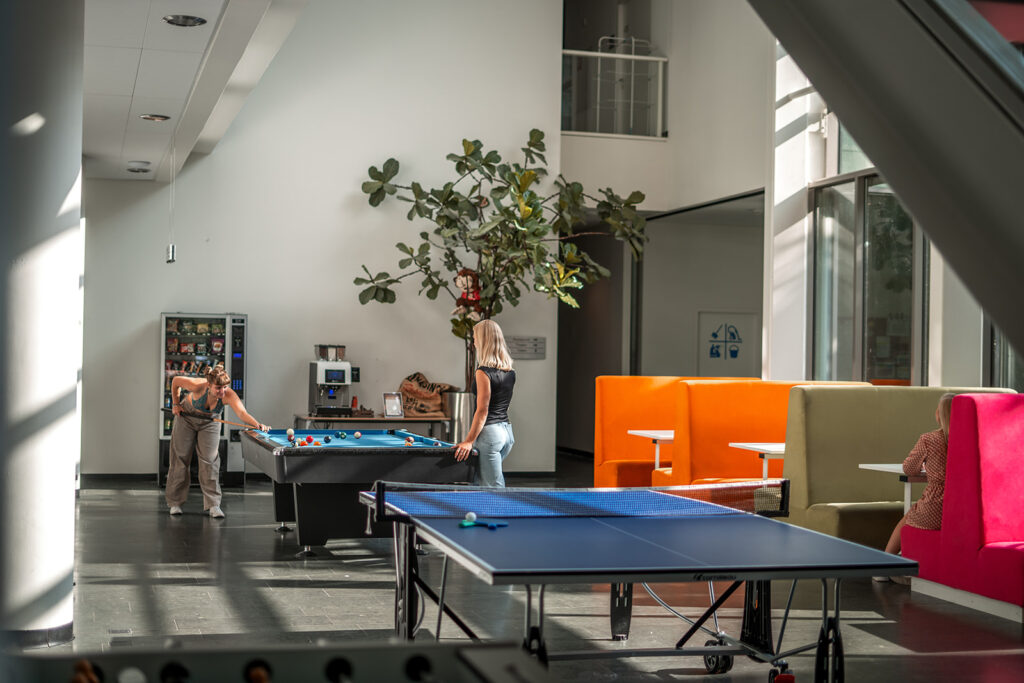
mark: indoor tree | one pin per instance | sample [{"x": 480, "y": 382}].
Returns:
[{"x": 495, "y": 234}]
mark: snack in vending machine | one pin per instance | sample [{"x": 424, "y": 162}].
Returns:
[
  {"x": 188, "y": 347},
  {"x": 202, "y": 328},
  {"x": 172, "y": 325},
  {"x": 218, "y": 344},
  {"x": 172, "y": 345}
]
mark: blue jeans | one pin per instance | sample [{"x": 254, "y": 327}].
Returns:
[{"x": 494, "y": 443}]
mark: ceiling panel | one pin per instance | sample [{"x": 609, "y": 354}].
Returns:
[
  {"x": 167, "y": 74},
  {"x": 110, "y": 70},
  {"x": 103, "y": 124},
  {"x": 116, "y": 23}
]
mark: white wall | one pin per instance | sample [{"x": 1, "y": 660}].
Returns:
[
  {"x": 721, "y": 60},
  {"x": 273, "y": 222},
  {"x": 691, "y": 267},
  {"x": 955, "y": 329}
]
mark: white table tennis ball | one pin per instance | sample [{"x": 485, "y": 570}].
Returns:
[{"x": 470, "y": 516}]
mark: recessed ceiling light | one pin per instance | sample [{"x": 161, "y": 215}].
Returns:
[
  {"x": 137, "y": 169},
  {"x": 154, "y": 117},
  {"x": 184, "y": 20}
]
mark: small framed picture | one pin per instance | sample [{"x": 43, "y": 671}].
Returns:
[{"x": 393, "y": 404}]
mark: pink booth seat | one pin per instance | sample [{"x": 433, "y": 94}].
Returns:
[{"x": 980, "y": 547}]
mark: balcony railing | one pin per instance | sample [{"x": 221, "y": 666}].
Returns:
[{"x": 612, "y": 93}]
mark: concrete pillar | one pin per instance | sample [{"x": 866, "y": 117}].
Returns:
[
  {"x": 797, "y": 157},
  {"x": 41, "y": 251}
]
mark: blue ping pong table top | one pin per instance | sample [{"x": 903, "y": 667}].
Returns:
[{"x": 626, "y": 536}]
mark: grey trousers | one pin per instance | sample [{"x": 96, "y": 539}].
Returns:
[{"x": 194, "y": 434}]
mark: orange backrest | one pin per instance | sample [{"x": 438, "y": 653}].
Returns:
[
  {"x": 624, "y": 402},
  {"x": 711, "y": 415}
]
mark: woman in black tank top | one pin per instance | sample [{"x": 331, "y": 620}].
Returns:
[{"x": 490, "y": 432}]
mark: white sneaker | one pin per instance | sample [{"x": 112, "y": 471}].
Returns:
[
  {"x": 175, "y": 510},
  {"x": 216, "y": 512}
]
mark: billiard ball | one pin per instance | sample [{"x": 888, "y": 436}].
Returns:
[
  {"x": 290, "y": 433},
  {"x": 316, "y": 443},
  {"x": 292, "y": 442},
  {"x": 342, "y": 435},
  {"x": 291, "y": 438},
  {"x": 409, "y": 441},
  {"x": 327, "y": 438},
  {"x": 309, "y": 439},
  {"x": 437, "y": 443},
  {"x": 358, "y": 435}
]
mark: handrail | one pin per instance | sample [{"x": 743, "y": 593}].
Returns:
[
  {"x": 622, "y": 97},
  {"x": 615, "y": 55}
]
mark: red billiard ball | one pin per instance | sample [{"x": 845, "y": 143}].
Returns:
[
  {"x": 437, "y": 443},
  {"x": 291, "y": 438},
  {"x": 309, "y": 439},
  {"x": 358, "y": 435}
]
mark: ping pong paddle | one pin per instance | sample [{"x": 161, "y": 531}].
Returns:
[{"x": 465, "y": 524}]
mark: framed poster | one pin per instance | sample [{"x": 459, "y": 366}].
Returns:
[
  {"x": 393, "y": 404},
  {"x": 728, "y": 344}
]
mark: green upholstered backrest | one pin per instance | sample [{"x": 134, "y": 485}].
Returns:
[{"x": 830, "y": 430}]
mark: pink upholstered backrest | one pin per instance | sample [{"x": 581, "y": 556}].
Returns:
[
  {"x": 1001, "y": 452},
  {"x": 984, "y": 498}
]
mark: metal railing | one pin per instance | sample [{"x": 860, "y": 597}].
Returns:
[{"x": 613, "y": 93}]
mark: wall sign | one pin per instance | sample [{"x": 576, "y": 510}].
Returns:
[{"x": 728, "y": 344}]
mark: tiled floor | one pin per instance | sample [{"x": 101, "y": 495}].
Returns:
[{"x": 145, "y": 579}]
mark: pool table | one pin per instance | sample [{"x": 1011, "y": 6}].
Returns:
[{"x": 317, "y": 486}]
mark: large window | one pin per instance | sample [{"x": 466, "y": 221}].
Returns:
[{"x": 868, "y": 285}]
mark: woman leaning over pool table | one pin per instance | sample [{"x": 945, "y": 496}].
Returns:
[
  {"x": 494, "y": 380},
  {"x": 195, "y": 400}
]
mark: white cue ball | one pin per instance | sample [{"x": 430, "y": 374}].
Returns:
[
  {"x": 290, "y": 432},
  {"x": 470, "y": 516}
]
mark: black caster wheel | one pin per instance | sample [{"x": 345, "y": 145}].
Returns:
[{"x": 717, "y": 664}]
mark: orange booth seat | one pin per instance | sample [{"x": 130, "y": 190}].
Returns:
[
  {"x": 710, "y": 415},
  {"x": 624, "y": 402}
]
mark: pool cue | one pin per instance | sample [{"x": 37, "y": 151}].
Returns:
[{"x": 212, "y": 418}]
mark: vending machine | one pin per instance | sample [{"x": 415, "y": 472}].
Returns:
[{"x": 191, "y": 343}]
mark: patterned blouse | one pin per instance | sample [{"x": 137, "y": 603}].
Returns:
[{"x": 929, "y": 453}]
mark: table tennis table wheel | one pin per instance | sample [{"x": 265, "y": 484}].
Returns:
[
  {"x": 717, "y": 664},
  {"x": 784, "y": 676}
]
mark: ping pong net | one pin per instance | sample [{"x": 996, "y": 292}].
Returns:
[{"x": 397, "y": 501}]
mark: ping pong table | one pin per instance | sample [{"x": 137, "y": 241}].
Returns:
[{"x": 537, "y": 537}]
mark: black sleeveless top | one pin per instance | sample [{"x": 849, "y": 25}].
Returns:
[{"x": 502, "y": 382}]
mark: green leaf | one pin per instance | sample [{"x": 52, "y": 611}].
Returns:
[
  {"x": 366, "y": 295},
  {"x": 375, "y": 174},
  {"x": 405, "y": 263},
  {"x": 371, "y": 186},
  {"x": 635, "y": 197},
  {"x": 390, "y": 169},
  {"x": 467, "y": 147},
  {"x": 377, "y": 197}
]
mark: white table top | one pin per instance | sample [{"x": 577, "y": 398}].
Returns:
[
  {"x": 768, "y": 448},
  {"x": 891, "y": 468},
  {"x": 662, "y": 435}
]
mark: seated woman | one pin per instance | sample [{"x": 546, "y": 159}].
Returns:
[{"x": 928, "y": 454}]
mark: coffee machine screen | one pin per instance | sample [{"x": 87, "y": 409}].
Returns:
[{"x": 334, "y": 377}]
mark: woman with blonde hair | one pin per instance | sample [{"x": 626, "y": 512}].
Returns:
[
  {"x": 194, "y": 402},
  {"x": 928, "y": 454},
  {"x": 490, "y": 432}
]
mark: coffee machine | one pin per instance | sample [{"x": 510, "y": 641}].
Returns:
[{"x": 329, "y": 379}]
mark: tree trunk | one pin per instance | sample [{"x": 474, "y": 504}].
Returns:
[{"x": 470, "y": 363}]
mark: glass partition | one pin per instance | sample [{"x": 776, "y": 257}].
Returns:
[
  {"x": 834, "y": 282},
  {"x": 614, "y": 94}
]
